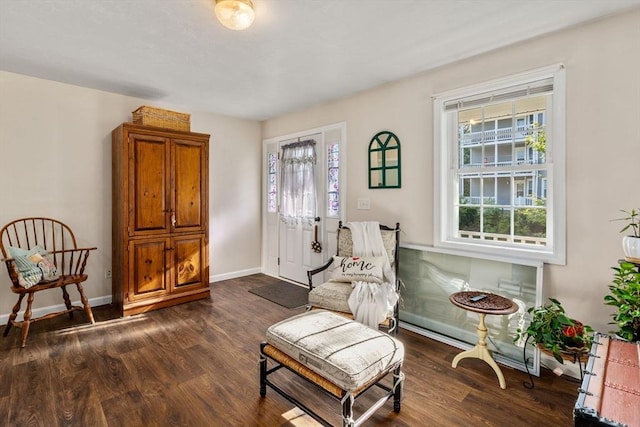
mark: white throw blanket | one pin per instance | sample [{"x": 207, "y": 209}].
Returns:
[{"x": 371, "y": 303}]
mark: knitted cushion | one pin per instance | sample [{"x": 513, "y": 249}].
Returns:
[
  {"x": 345, "y": 352},
  {"x": 33, "y": 266},
  {"x": 26, "y": 261}
]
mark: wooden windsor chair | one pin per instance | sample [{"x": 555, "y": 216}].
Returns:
[{"x": 57, "y": 243}]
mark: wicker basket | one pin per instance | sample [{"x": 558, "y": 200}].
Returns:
[{"x": 158, "y": 117}]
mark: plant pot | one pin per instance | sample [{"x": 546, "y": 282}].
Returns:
[
  {"x": 570, "y": 354},
  {"x": 631, "y": 248}
]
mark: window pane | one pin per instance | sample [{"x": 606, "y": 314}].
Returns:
[
  {"x": 531, "y": 225},
  {"x": 333, "y": 180},
  {"x": 272, "y": 189},
  {"x": 531, "y": 127},
  {"x": 391, "y": 177},
  {"x": 530, "y": 188},
  {"x": 334, "y": 205},
  {"x": 333, "y": 156},
  {"x": 376, "y": 178},
  {"x": 470, "y": 128},
  {"x": 376, "y": 159},
  {"x": 272, "y": 163},
  {"x": 391, "y": 157},
  {"x": 469, "y": 218},
  {"x": 497, "y": 223}
]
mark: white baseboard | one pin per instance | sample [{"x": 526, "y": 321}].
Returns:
[
  {"x": 106, "y": 299},
  {"x": 38, "y": 312},
  {"x": 97, "y": 301},
  {"x": 234, "y": 274}
]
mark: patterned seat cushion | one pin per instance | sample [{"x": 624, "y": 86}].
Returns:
[
  {"x": 331, "y": 296},
  {"x": 345, "y": 352}
]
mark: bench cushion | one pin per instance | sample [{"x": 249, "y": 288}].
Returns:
[{"x": 343, "y": 351}]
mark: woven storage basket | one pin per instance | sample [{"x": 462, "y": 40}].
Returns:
[{"x": 158, "y": 117}]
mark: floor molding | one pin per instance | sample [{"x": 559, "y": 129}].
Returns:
[
  {"x": 234, "y": 274},
  {"x": 42, "y": 311},
  {"x": 106, "y": 299}
]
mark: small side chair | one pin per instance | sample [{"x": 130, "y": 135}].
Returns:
[
  {"x": 334, "y": 295},
  {"x": 63, "y": 260}
]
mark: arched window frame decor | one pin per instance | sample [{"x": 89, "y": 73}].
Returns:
[{"x": 381, "y": 148}]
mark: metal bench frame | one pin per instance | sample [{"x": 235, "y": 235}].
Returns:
[{"x": 346, "y": 397}]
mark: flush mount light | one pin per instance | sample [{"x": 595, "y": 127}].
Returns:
[{"x": 235, "y": 14}]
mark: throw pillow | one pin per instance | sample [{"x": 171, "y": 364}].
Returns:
[
  {"x": 353, "y": 269},
  {"x": 32, "y": 266},
  {"x": 48, "y": 268}
]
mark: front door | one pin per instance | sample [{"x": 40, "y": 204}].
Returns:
[{"x": 297, "y": 234}]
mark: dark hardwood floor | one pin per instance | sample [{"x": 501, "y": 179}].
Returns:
[{"x": 196, "y": 364}]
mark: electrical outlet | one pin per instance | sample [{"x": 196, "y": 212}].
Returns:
[{"x": 107, "y": 273}]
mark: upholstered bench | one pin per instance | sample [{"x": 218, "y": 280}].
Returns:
[{"x": 342, "y": 357}]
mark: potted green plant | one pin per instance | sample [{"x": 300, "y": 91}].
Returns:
[
  {"x": 631, "y": 242},
  {"x": 556, "y": 333},
  {"x": 625, "y": 296}
]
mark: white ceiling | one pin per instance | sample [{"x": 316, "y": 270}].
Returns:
[{"x": 297, "y": 53}]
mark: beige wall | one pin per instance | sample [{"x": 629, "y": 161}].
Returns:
[
  {"x": 55, "y": 157},
  {"x": 603, "y": 146},
  {"x": 55, "y": 160}
]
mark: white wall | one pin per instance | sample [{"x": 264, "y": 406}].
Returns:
[
  {"x": 603, "y": 146},
  {"x": 55, "y": 160}
]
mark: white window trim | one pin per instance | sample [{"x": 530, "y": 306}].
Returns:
[{"x": 555, "y": 251}]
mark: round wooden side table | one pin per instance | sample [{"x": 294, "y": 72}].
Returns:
[{"x": 482, "y": 303}]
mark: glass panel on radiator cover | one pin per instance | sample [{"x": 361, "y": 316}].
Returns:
[{"x": 429, "y": 279}]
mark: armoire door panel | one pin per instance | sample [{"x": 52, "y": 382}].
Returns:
[
  {"x": 148, "y": 265},
  {"x": 189, "y": 185},
  {"x": 189, "y": 260},
  {"x": 149, "y": 202}
]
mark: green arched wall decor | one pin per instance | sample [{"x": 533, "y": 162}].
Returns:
[{"x": 384, "y": 161}]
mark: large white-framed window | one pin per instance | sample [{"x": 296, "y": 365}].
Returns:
[{"x": 500, "y": 167}]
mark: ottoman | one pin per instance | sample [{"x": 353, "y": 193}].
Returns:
[{"x": 341, "y": 357}]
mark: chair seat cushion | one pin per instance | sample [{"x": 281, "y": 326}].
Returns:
[
  {"x": 345, "y": 352},
  {"x": 331, "y": 296}
]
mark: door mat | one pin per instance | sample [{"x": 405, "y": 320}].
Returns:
[{"x": 283, "y": 293}]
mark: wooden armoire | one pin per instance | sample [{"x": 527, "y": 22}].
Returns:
[{"x": 160, "y": 217}]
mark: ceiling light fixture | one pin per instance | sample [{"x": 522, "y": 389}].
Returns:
[{"x": 235, "y": 14}]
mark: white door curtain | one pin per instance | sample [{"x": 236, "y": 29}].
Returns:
[{"x": 298, "y": 182}]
